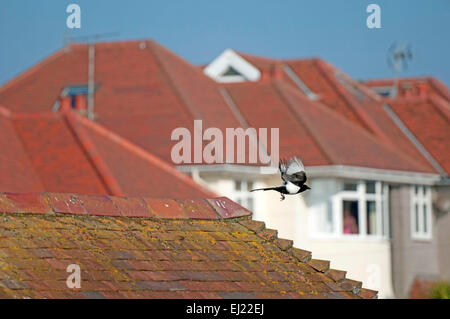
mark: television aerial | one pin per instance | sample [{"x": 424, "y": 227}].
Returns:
[{"x": 398, "y": 56}]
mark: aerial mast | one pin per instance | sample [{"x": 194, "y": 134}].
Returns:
[
  {"x": 91, "y": 40},
  {"x": 398, "y": 55}
]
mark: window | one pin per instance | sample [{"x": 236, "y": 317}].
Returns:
[
  {"x": 350, "y": 186},
  {"x": 360, "y": 209},
  {"x": 242, "y": 194},
  {"x": 385, "y": 91},
  {"x": 421, "y": 213},
  {"x": 350, "y": 217},
  {"x": 231, "y": 72}
]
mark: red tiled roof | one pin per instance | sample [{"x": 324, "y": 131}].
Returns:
[
  {"x": 16, "y": 170},
  {"x": 425, "y": 111},
  {"x": 349, "y": 98},
  {"x": 139, "y": 84},
  {"x": 149, "y": 248},
  {"x": 262, "y": 106},
  {"x": 145, "y": 91},
  {"x": 311, "y": 129},
  {"x": 65, "y": 152},
  {"x": 414, "y": 86}
]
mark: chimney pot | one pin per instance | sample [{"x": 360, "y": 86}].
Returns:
[
  {"x": 65, "y": 103},
  {"x": 80, "y": 102}
]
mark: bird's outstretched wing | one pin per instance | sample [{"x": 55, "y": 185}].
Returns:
[{"x": 293, "y": 171}]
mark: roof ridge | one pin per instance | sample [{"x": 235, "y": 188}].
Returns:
[
  {"x": 38, "y": 65},
  {"x": 5, "y": 111},
  {"x": 219, "y": 208},
  {"x": 440, "y": 87},
  {"x": 368, "y": 122},
  {"x": 140, "y": 152},
  {"x": 317, "y": 139},
  {"x": 388, "y": 147},
  {"x": 91, "y": 151},
  {"x": 188, "y": 109},
  {"x": 441, "y": 105},
  {"x": 338, "y": 282}
]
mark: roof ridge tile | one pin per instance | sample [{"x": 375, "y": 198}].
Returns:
[
  {"x": 302, "y": 255},
  {"x": 105, "y": 205},
  {"x": 335, "y": 274},
  {"x": 97, "y": 161},
  {"x": 319, "y": 264},
  {"x": 138, "y": 151}
]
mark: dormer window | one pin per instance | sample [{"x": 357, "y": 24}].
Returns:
[
  {"x": 231, "y": 67},
  {"x": 385, "y": 91}
]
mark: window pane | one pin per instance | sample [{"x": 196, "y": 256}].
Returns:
[
  {"x": 350, "y": 217},
  {"x": 249, "y": 186},
  {"x": 371, "y": 215},
  {"x": 425, "y": 218},
  {"x": 370, "y": 187},
  {"x": 416, "y": 189},
  {"x": 237, "y": 185},
  {"x": 417, "y": 217},
  {"x": 350, "y": 186}
]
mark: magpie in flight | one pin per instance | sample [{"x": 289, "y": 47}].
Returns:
[{"x": 293, "y": 176}]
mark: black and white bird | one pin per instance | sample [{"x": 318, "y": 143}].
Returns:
[{"x": 293, "y": 176}]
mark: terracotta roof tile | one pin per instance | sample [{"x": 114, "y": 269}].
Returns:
[
  {"x": 63, "y": 152},
  {"x": 164, "y": 86},
  {"x": 139, "y": 255},
  {"x": 336, "y": 275},
  {"x": 228, "y": 209},
  {"x": 320, "y": 265},
  {"x": 340, "y": 93}
]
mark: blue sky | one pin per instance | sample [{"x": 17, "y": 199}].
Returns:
[{"x": 199, "y": 30}]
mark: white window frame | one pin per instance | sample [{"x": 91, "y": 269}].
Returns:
[
  {"x": 422, "y": 198},
  {"x": 227, "y": 59},
  {"x": 243, "y": 194},
  {"x": 380, "y": 197}
]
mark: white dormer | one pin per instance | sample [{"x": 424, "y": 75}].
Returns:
[{"x": 231, "y": 67}]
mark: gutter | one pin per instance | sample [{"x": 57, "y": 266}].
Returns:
[{"x": 339, "y": 171}]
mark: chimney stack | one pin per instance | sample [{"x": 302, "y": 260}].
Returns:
[
  {"x": 422, "y": 87},
  {"x": 65, "y": 103},
  {"x": 80, "y": 102}
]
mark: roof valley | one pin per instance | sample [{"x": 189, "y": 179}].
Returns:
[
  {"x": 328, "y": 154},
  {"x": 371, "y": 125},
  {"x": 190, "y": 111}
]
